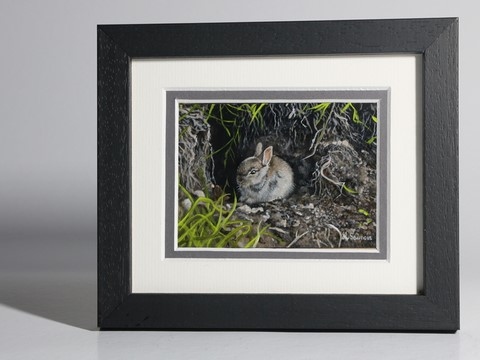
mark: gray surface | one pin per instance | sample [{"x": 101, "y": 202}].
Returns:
[{"x": 48, "y": 190}]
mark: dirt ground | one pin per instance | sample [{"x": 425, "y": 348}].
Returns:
[{"x": 307, "y": 221}]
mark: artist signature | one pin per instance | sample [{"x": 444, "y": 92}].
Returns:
[{"x": 360, "y": 238}]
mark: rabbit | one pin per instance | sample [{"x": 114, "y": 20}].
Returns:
[{"x": 264, "y": 177}]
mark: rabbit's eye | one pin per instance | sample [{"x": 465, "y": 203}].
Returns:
[{"x": 252, "y": 172}]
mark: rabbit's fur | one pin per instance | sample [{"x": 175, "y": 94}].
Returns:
[{"x": 264, "y": 177}]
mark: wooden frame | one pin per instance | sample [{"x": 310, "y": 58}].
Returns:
[{"x": 435, "y": 309}]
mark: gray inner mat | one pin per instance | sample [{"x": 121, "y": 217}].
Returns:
[{"x": 382, "y": 96}]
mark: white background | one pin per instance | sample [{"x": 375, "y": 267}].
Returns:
[
  {"x": 151, "y": 273},
  {"x": 48, "y": 186}
]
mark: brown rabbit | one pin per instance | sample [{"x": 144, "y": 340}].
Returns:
[{"x": 264, "y": 177}]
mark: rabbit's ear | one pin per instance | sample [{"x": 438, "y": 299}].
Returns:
[
  {"x": 267, "y": 156},
  {"x": 258, "y": 150}
]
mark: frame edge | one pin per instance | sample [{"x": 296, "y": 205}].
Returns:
[
  {"x": 441, "y": 164},
  {"x": 113, "y": 169}
]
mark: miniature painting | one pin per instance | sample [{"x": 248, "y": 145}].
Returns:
[{"x": 277, "y": 174}]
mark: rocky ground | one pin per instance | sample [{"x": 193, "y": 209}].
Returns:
[{"x": 305, "y": 221}]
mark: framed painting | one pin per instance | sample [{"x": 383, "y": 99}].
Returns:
[{"x": 279, "y": 176}]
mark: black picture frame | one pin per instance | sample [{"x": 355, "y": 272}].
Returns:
[{"x": 436, "y": 309}]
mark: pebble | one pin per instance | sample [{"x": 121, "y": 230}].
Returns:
[
  {"x": 249, "y": 210},
  {"x": 187, "y": 204},
  {"x": 199, "y": 193},
  {"x": 276, "y": 217},
  {"x": 245, "y": 209},
  {"x": 282, "y": 223},
  {"x": 265, "y": 217}
]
